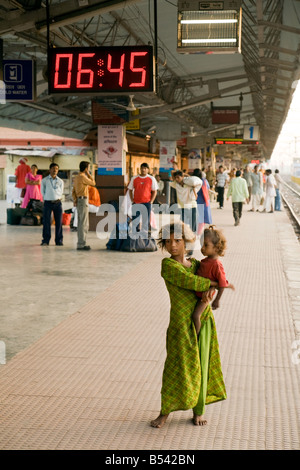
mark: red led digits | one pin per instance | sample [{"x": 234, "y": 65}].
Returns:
[
  {"x": 120, "y": 70},
  {"x": 57, "y": 70},
  {"x": 95, "y": 70},
  {"x": 133, "y": 55},
  {"x": 84, "y": 72}
]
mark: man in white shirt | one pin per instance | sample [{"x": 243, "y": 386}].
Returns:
[
  {"x": 238, "y": 190},
  {"x": 270, "y": 192},
  {"x": 52, "y": 188},
  {"x": 222, "y": 179},
  {"x": 186, "y": 199},
  {"x": 279, "y": 182}
]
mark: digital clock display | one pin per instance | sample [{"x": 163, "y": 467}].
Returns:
[{"x": 100, "y": 69}]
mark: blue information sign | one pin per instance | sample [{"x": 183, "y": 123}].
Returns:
[{"x": 19, "y": 79}]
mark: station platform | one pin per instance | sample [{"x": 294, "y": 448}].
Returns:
[{"x": 87, "y": 373}]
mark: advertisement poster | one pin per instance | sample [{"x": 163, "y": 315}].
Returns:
[
  {"x": 111, "y": 150},
  {"x": 194, "y": 158},
  {"x": 167, "y": 154}
]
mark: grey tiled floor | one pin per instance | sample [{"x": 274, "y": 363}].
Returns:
[
  {"x": 41, "y": 286},
  {"x": 87, "y": 375}
]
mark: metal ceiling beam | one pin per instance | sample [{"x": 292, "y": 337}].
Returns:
[
  {"x": 61, "y": 14},
  {"x": 260, "y": 38},
  {"x": 279, "y": 26},
  {"x": 278, "y": 49},
  {"x": 280, "y": 96},
  {"x": 200, "y": 100},
  {"x": 281, "y": 64},
  {"x": 209, "y": 97},
  {"x": 199, "y": 82},
  {"x": 278, "y": 77},
  {"x": 74, "y": 15}
]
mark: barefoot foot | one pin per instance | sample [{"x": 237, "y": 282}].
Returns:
[
  {"x": 159, "y": 421},
  {"x": 199, "y": 420}
]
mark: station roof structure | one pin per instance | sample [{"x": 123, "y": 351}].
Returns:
[{"x": 188, "y": 84}]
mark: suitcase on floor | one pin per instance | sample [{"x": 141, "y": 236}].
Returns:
[
  {"x": 31, "y": 220},
  {"x": 14, "y": 215}
]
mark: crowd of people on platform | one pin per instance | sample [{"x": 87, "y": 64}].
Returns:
[
  {"x": 252, "y": 185},
  {"x": 255, "y": 186}
]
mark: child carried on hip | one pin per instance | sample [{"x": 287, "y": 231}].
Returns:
[{"x": 214, "y": 246}]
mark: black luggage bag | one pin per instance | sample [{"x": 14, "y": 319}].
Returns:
[
  {"x": 121, "y": 240},
  {"x": 142, "y": 243},
  {"x": 15, "y": 215}
]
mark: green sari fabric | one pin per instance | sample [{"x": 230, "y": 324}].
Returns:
[{"x": 185, "y": 382}]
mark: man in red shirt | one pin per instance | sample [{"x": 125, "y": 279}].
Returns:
[{"x": 143, "y": 190}]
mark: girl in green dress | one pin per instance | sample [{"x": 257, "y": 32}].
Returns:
[{"x": 192, "y": 375}]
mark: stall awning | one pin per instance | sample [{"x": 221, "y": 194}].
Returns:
[{"x": 32, "y": 153}]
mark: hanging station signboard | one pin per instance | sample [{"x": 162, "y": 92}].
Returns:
[
  {"x": 225, "y": 115},
  {"x": 251, "y": 132},
  {"x": 19, "y": 80}
]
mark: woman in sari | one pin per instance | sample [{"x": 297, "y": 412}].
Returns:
[
  {"x": 33, "y": 186},
  {"x": 192, "y": 375}
]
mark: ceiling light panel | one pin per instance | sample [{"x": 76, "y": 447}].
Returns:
[{"x": 209, "y": 27}]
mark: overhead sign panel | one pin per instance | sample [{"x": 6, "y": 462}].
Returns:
[
  {"x": 19, "y": 79},
  {"x": 110, "y": 110},
  {"x": 134, "y": 124},
  {"x": 225, "y": 115},
  {"x": 251, "y": 132},
  {"x": 230, "y": 141},
  {"x": 101, "y": 69},
  {"x": 211, "y": 6}
]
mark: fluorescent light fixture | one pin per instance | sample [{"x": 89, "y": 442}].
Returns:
[
  {"x": 209, "y": 27},
  {"x": 208, "y": 21},
  {"x": 208, "y": 41}
]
